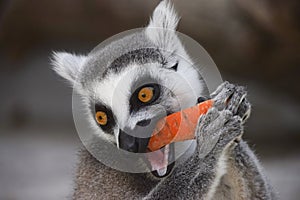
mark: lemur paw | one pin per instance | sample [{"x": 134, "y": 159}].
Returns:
[
  {"x": 233, "y": 98},
  {"x": 216, "y": 130}
]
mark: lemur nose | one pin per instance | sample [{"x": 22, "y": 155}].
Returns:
[
  {"x": 201, "y": 99},
  {"x": 128, "y": 142},
  {"x": 145, "y": 122}
]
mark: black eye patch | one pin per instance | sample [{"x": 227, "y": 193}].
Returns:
[
  {"x": 108, "y": 128},
  {"x": 135, "y": 104}
]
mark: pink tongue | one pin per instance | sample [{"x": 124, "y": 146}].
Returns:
[{"x": 158, "y": 159}]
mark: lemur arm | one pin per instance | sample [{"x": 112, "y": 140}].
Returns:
[
  {"x": 223, "y": 166},
  {"x": 244, "y": 171},
  {"x": 245, "y": 175}
]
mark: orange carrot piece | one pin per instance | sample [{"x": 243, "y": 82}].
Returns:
[{"x": 178, "y": 126}]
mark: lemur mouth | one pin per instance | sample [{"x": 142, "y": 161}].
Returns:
[{"x": 162, "y": 161}]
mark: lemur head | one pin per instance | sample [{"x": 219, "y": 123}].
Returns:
[{"x": 133, "y": 81}]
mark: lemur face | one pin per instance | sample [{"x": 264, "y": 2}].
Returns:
[{"x": 132, "y": 82}]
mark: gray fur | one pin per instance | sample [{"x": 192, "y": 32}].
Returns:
[
  {"x": 221, "y": 167},
  {"x": 102, "y": 60},
  {"x": 219, "y": 134}
]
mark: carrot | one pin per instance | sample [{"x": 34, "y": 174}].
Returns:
[{"x": 178, "y": 126}]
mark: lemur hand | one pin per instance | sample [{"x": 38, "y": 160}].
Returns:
[
  {"x": 233, "y": 98},
  {"x": 223, "y": 123},
  {"x": 216, "y": 130}
]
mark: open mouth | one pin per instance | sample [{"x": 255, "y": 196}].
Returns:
[{"x": 162, "y": 161}]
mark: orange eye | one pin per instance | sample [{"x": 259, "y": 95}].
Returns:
[
  {"x": 101, "y": 118},
  {"x": 145, "y": 94}
]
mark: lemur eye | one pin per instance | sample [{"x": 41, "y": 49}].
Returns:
[
  {"x": 101, "y": 118},
  {"x": 104, "y": 118},
  {"x": 145, "y": 94}
]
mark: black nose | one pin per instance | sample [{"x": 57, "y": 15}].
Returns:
[
  {"x": 145, "y": 122},
  {"x": 127, "y": 142},
  {"x": 131, "y": 143},
  {"x": 201, "y": 99}
]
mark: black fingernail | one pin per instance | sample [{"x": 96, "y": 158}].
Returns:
[{"x": 201, "y": 99}]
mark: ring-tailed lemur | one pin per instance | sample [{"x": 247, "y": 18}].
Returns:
[{"x": 221, "y": 167}]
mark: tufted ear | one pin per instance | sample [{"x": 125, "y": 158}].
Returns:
[
  {"x": 162, "y": 26},
  {"x": 67, "y": 65},
  {"x": 164, "y": 16}
]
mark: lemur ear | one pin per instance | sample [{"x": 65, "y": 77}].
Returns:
[
  {"x": 67, "y": 65},
  {"x": 162, "y": 27},
  {"x": 164, "y": 16}
]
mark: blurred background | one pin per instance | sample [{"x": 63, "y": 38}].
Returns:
[{"x": 253, "y": 42}]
